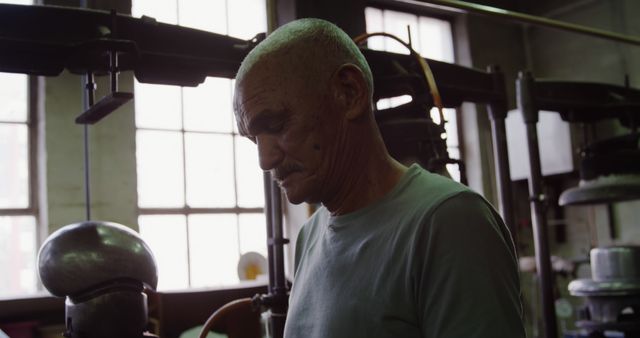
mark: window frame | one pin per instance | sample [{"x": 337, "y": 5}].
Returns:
[
  {"x": 185, "y": 210},
  {"x": 32, "y": 208},
  {"x": 435, "y": 13}
]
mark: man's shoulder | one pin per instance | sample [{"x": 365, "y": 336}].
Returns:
[
  {"x": 426, "y": 190},
  {"x": 314, "y": 222}
]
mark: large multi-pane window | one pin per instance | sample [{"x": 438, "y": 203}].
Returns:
[
  {"x": 200, "y": 190},
  {"x": 17, "y": 202},
  {"x": 18, "y": 236},
  {"x": 430, "y": 37}
]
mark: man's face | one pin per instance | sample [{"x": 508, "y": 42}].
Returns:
[{"x": 290, "y": 121}]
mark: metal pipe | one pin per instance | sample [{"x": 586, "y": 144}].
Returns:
[
  {"x": 272, "y": 15},
  {"x": 521, "y": 17},
  {"x": 499, "y": 136},
  {"x": 278, "y": 289},
  {"x": 526, "y": 104},
  {"x": 89, "y": 99},
  {"x": 113, "y": 55},
  {"x": 268, "y": 210},
  {"x": 276, "y": 200},
  {"x": 498, "y": 114},
  {"x": 279, "y": 306}
]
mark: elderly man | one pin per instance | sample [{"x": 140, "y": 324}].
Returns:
[{"x": 394, "y": 251}]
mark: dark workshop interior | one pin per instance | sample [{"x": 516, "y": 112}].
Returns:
[{"x": 117, "y": 126}]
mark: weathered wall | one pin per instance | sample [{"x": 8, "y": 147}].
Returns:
[
  {"x": 112, "y": 152},
  {"x": 482, "y": 42}
]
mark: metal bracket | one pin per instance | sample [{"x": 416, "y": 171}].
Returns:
[{"x": 113, "y": 101}]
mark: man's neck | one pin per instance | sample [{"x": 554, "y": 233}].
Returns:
[{"x": 366, "y": 184}]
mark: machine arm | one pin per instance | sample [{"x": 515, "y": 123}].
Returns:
[{"x": 79, "y": 40}]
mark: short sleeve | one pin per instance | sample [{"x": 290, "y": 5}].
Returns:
[{"x": 466, "y": 278}]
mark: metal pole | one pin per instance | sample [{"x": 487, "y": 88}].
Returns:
[
  {"x": 524, "y": 87},
  {"x": 278, "y": 290},
  {"x": 277, "y": 299},
  {"x": 519, "y": 17},
  {"x": 89, "y": 98},
  {"x": 279, "y": 307},
  {"x": 276, "y": 203},
  {"x": 113, "y": 55},
  {"x": 498, "y": 113},
  {"x": 268, "y": 208}
]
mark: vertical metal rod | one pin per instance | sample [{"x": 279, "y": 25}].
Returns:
[
  {"x": 89, "y": 98},
  {"x": 113, "y": 55},
  {"x": 279, "y": 307},
  {"x": 273, "y": 206},
  {"x": 276, "y": 202},
  {"x": 498, "y": 114},
  {"x": 498, "y": 131},
  {"x": 540, "y": 234},
  {"x": 524, "y": 87},
  {"x": 268, "y": 208}
]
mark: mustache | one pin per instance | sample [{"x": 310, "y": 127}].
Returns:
[{"x": 281, "y": 172}]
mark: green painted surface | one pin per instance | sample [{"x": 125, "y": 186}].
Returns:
[{"x": 112, "y": 155}]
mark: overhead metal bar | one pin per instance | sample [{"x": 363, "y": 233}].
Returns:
[{"x": 469, "y": 7}]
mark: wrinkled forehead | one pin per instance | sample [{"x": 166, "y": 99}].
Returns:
[
  {"x": 264, "y": 78},
  {"x": 279, "y": 76}
]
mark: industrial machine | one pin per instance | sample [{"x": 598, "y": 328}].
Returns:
[
  {"x": 609, "y": 172},
  {"x": 102, "y": 269},
  {"x": 612, "y": 295},
  {"x": 91, "y": 42}
]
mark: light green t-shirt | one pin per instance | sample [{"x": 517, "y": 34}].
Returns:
[{"x": 431, "y": 259}]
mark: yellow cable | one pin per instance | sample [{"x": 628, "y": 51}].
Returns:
[{"x": 426, "y": 70}]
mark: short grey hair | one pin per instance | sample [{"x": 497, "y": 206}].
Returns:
[{"x": 316, "y": 45}]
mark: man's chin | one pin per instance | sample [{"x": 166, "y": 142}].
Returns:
[
  {"x": 297, "y": 196},
  {"x": 293, "y": 198}
]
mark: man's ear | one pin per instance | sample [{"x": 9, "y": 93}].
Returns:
[{"x": 351, "y": 91}]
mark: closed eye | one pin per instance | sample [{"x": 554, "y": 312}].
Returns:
[
  {"x": 268, "y": 121},
  {"x": 275, "y": 126}
]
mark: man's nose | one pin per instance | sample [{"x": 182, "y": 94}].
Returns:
[{"x": 269, "y": 152}]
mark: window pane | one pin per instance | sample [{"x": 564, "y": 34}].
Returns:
[
  {"x": 17, "y": 2},
  {"x": 160, "y": 169},
  {"x": 166, "y": 235},
  {"x": 395, "y": 23},
  {"x": 208, "y": 106},
  {"x": 208, "y": 15},
  {"x": 454, "y": 171},
  {"x": 253, "y": 233},
  {"x": 214, "y": 249},
  {"x": 158, "y": 106},
  {"x": 247, "y": 18},
  {"x": 250, "y": 180},
  {"x": 234, "y": 122},
  {"x": 17, "y": 255},
  {"x": 436, "y": 39},
  {"x": 399, "y": 100},
  {"x": 14, "y": 166},
  {"x": 209, "y": 170},
  {"x": 432, "y": 38},
  {"x": 13, "y": 95},
  {"x": 162, "y": 10},
  {"x": 453, "y": 152},
  {"x": 375, "y": 24},
  {"x": 451, "y": 127}
]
